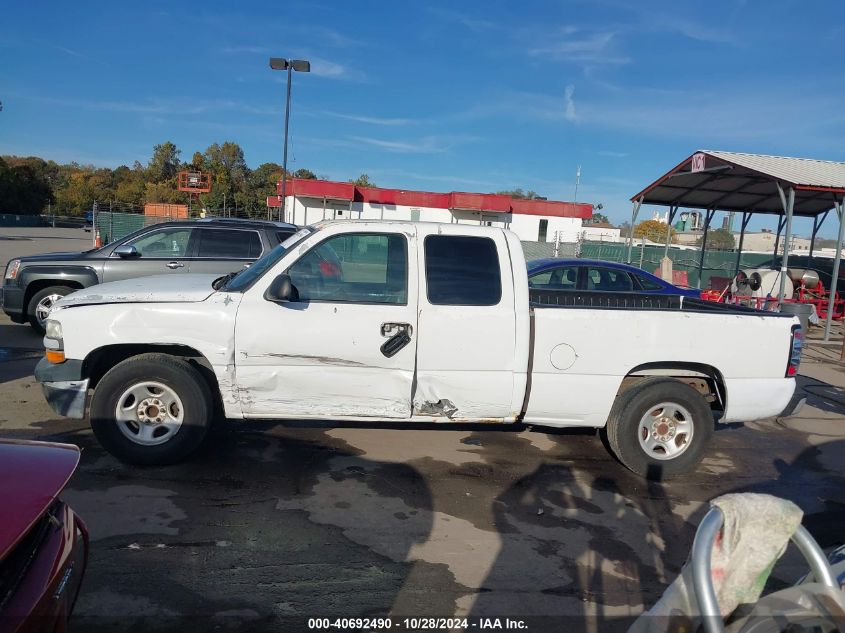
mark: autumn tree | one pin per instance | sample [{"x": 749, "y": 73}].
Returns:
[
  {"x": 718, "y": 240},
  {"x": 653, "y": 230}
]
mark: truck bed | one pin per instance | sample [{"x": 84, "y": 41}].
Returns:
[{"x": 541, "y": 298}]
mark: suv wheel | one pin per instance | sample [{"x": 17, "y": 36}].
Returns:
[{"x": 40, "y": 304}]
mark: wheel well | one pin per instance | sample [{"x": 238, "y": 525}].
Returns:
[
  {"x": 705, "y": 379},
  {"x": 101, "y": 360},
  {"x": 40, "y": 284}
]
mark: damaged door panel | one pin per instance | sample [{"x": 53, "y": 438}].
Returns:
[{"x": 343, "y": 344}]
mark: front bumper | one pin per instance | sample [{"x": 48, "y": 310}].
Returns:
[
  {"x": 64, "y": 386},
  {"x": 11, "y": 299}
]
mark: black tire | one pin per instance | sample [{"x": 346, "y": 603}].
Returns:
[
  {"x": 37, "y": 298},
  {"x": 175, "y": 374},
  {"x": 631, "y": 407}
]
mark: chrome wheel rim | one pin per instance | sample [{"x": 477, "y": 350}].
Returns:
[
  {"x": 42, "y": 310},
  {"x": 149, "y": 413},
  {"x": 665, "y": 431}
]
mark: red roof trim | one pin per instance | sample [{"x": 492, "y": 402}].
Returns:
[{"x": 458, "y": 200}]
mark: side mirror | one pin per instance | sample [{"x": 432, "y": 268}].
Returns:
[
  {"x": 126, "y": 251},
  {"x": 280, "y": 289}
]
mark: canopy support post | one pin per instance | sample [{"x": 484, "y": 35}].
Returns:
[
  {"x": 781, "y": 220},
  {"x": 707, "y": 219},
  {"x": 834, "y": 281},
  {"x": 669, "y": 218},
  {"x": 817, "y": 224},
  {"x": 788, "y": 205},
  {"x": 746, "y": 217},
  {"x": 637, "y": 203}
]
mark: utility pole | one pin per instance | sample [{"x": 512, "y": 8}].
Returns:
[{"x": 577, "y": 182}]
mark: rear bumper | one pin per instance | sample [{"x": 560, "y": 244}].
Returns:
[
  {"x": 795, "y": 405},
  {"x": 64, "y": 386}
]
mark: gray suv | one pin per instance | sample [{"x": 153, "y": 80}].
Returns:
[{"x": 32, "y": 284}]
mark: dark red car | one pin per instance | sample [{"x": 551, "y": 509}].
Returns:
[{"x": 43, "y": 544}]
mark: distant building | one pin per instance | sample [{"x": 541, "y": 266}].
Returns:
[
  {"x": 310, "y": 201},
  {"x": 601, "y": 232},
  {"x": 764, "y": 241}
]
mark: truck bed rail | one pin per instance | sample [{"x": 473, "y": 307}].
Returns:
[{"x": 541, "y": 298}]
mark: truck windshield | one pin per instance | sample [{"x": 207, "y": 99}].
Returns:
[{"x": 246, "y": 278}]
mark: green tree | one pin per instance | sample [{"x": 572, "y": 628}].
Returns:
[
  {"x": 598, "y": 217},
  {"x": 305, "y": 173},
  {"x": 363, "y": 181},
  {"x": 164, "y": 164},
  {"x": 519, "y": 194},
  {"x": 718, "y": 240},
  {"x": 653, "y": 230}
]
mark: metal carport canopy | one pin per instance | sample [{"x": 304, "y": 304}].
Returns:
[{"x": 751, "y": 183}]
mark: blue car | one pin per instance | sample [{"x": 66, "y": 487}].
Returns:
[{"x": 588, "y": 274}]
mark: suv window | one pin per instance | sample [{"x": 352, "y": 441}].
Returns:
[
  {"x": 284, "y": 234},
  {"x": 608, "y": 280},
  {"x": 354, "y": 268},
  {"x": 462, "y": 270},
  {"x": 229, "y": 244},
  {"x": 562, "y": 278},
  {"x": 171, "y": 242}
]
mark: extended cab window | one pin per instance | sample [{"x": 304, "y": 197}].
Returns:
[
  {"x": 229, "y": 244},
  {"x": 608, "y": 280},
  {"x": 354, "y": 268},
  {"x": 172, "y": 242},
  {"x": 462, "y": 270}
]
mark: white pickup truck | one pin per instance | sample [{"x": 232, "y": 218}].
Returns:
[{"x": 388, "y": 321}]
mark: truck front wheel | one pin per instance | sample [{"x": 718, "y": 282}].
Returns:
[
  {"x": 659, "y": 428},
  {"x": 151, "y": 409}
]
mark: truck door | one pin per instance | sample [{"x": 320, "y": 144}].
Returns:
[
  {"x": 345, "y": 348},
  {"x": 467, "y": 326},
  {"x": 163, "y": 251}
]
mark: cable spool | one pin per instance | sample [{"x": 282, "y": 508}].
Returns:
[{"x": 810, "y": 278}]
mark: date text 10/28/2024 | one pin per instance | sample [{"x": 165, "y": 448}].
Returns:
[{"x": 416, "y": 624}]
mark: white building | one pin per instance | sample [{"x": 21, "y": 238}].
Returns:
[{"x": 310, "y": 201}]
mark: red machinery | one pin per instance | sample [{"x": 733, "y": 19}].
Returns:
[{"x": 808, "y": 288}]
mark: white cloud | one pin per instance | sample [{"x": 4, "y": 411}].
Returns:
[
  {"x": 386, "y": 121},
  {"x": 574, "y": 46},
  {"x": 569, "y": 113}
]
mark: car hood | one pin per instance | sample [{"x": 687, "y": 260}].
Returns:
[
  {"x": 54, "y": 257},
  {"x": 175, "y": 288},
  {"x": 32, "y": 474}
]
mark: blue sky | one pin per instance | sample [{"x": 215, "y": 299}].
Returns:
[{"x": 441, "y": 96}]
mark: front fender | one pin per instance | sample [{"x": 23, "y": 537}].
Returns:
[{"x": 71, "y": 275}]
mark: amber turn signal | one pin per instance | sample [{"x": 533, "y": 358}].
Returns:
[{"x": 55, "y": 356}]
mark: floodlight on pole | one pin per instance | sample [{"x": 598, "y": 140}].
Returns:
[{"x": 301, "y": 66}]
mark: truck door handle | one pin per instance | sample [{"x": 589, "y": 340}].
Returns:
[
  {"x": 173, "y": 265},
  {"x": 401, "y": 336},
  {"x": 388, "y": 329}
]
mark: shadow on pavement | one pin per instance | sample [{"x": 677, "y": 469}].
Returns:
[{"x": 822, "y": 395}]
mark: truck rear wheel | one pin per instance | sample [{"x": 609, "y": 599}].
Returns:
[
  {"x": 659, "y": 428},
  {"x": 151, "y": 409}
]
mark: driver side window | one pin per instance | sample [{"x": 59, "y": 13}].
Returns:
[
  {"x": 172, "y": 242},
  {"x": 354, "y": 268}
]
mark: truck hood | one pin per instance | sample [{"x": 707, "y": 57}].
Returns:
[{"x": 176, "y": 288}]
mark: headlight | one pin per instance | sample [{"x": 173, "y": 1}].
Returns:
[
  {"x": 53, "y": 329},
  {"x": 12, "y": 269}
]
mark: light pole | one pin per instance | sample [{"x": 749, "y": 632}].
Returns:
[{"x": 302, "y": 66}]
